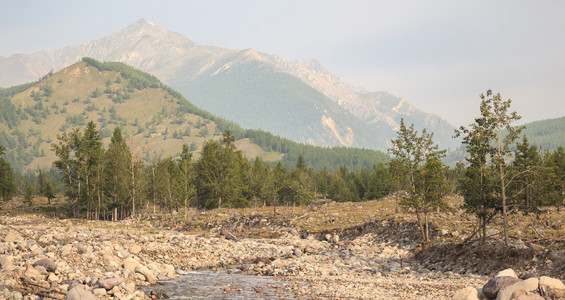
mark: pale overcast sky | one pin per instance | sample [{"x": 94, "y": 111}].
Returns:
[{"x": 440, "y": 55}]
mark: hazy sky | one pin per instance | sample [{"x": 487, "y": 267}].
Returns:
[{"x": 440, "y": 55}]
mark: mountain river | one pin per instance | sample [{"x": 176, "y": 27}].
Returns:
[{"x": 221, "y": 285}]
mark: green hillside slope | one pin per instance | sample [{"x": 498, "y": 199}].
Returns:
[
  {"x": 548, "y": 134},
  {"x": 156, "y": 119},
  {"x": 256, "y": 95}
]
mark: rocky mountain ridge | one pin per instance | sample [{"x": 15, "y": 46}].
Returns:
[{"x": 299, "y": 100}]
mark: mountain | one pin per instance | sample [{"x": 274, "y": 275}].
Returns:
[
  {"x": 156, "y": 119},
  {"x": 298, "y": 100}
]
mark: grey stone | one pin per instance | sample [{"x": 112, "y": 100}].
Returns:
[
  {"x": 493, "y": 286},
  {"x": 110, "y": 283},
  {"x": 555, "y": 255},
  {"x": 47, "y": 263}
]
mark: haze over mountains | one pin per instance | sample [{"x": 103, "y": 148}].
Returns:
[{"x": 299, "y": 100}]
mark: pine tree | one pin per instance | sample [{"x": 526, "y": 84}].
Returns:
[
  {"x": 48, "y": 191},
  {"x": 28, "y": 196},
  {"x": 185, "y": 178},
  {"x": 7, "y": 182},
  {"x": 222, "y": 174},
  {"x": 527, "y": 164},
  {"x": 116, "y": 173},
  {"x": 556, "y": 163},
  {"x": 262, "y": 183},
  {"x": 89, "y": 155}
]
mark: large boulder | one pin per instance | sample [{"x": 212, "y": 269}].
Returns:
[
  {"x": 551, "y": 287},
  {"x": 523, "y": 287},
  {"x": 493, "y": 286}
]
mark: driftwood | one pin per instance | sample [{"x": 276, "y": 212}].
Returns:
[
  {"x": 301, "y": 217},
  {"x": 40, "y": 290}
]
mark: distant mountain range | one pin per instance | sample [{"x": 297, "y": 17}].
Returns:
[
  {"x": 156, "y": 120},
  {"x": 299, "y": 100}
]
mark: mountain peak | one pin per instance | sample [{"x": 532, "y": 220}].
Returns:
[
  {"x": 143, "y": 26},
  {"x": 312, "y": 64}
]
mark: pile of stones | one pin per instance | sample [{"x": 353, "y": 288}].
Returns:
[{"x": 506, "y": 285}]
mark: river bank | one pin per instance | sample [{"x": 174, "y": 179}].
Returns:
[{"x": 50, "y": 258}]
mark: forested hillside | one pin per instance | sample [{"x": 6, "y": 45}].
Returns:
[
  {"x": 155, "y": 120},
  {"x": 547, "y": 134}
]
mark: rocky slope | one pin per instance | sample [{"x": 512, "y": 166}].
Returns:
[{"x": 299, "y": 100}]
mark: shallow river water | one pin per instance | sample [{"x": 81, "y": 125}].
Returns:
[{"x": 221, "y": 285}]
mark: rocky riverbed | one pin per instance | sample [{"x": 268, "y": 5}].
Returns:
[{"x": 44, "y": 258}]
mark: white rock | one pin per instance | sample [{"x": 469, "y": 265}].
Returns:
[{"x": 507, "y": 272}]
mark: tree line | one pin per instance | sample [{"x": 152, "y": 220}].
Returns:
[
  {"x": 114, "y": 183},
  {"x": 499, "y": 176}
]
